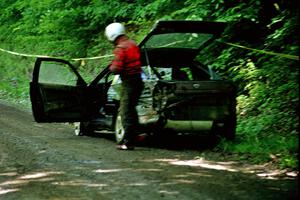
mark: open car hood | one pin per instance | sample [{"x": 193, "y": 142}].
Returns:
[{"x": 178, "y": 42}]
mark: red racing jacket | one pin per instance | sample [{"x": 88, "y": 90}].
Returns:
[{"x": 127, "y": 57}]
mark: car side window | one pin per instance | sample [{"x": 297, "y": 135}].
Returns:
[
  {"x": 148, "y": 73},
  {"x": 203, "y": 72},
  {"x": 182, "y": 74},
  {"x": 57, "y": 73}
]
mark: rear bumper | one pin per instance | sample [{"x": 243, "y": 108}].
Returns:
[{"x": 188, "y": 126}]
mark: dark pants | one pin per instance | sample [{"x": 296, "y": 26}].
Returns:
[{"x": 131, "y": 91}]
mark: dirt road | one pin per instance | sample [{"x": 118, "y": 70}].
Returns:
[{"x": 47, "y": 161}]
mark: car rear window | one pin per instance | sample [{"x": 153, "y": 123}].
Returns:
[{"x": 178, "y": 40}]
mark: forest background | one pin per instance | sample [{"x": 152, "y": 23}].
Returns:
[{"x": 268, "y": 87}]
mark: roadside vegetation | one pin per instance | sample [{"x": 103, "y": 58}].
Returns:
[{"x": 268, "y": 87}]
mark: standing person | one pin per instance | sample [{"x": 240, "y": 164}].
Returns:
[{"x": 127, "y": 63}]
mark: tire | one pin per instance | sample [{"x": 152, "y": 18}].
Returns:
[
  {"x": 229, "y": 129},
  {"x": 119, "y": 130},
  {"x": 230, "y": 123},
  {"x": 82, "y": 128}
]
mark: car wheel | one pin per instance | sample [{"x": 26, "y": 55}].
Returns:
[
  {"x": 229, "y": 129},
  {"x": 225, "y": 129},
  {"x": 119, "y": 129},
  {"x": 230, "y": 122},
  {"x": 81, "y": 128}
]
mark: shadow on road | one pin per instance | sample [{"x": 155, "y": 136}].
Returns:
[
  {"x": 170, "y": 141},
  {"x": 180, "y": 142}
]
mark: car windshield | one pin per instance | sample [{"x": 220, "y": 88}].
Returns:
[{"x": 178, "y": 40}]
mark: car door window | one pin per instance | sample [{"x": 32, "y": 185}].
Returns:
[
  {"x": 57, "y": 73},
  {"x": 182, "y": 74}
]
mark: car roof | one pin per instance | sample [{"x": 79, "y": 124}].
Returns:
[{"x": 177, "y": 42}]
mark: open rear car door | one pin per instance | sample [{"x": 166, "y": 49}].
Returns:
[{"x": 59, "y": 94}]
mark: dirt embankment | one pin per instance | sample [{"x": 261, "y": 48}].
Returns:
[{"x": 47, "y": 161}]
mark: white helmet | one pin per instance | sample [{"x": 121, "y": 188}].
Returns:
[{"x": 113, "y": 30}]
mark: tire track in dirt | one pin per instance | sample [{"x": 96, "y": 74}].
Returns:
[{"x": 46, "y": 161}]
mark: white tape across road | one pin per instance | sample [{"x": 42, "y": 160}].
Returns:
[
  {"x": 288, "y": 56},
  {"x": 292, "y": 57},
  {"x": 44, "y": 56}
]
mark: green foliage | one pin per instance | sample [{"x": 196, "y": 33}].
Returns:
[{"x": 267, "y": 85}]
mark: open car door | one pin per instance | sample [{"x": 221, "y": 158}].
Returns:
[{"x": 58, "y": 93}]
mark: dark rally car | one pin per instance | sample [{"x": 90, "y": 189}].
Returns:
[{"x": 181, "y": 95}]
